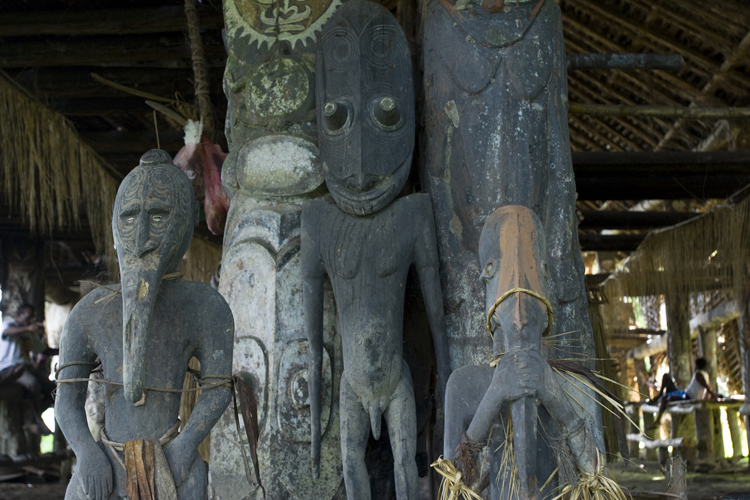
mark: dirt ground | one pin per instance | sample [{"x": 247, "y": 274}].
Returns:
[
  {"x": 20, "y": 491},
  {"x": 641, "y": 482},
  {"x": 704, "y": 486}
]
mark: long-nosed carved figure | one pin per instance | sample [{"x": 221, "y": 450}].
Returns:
[
  {"x": 366, "y": 241},
  {"x": 145, "y": 333},
  {"x": 522, "y": 386}
]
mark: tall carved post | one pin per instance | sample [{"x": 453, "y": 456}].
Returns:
[
  {"x": 272, "y": 167},
  {"x": 496, "y": 134}
]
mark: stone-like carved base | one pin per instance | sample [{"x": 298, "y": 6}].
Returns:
[{"x": 261, "y": 280}]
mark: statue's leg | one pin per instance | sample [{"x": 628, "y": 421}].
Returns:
[
  {"x": 401, "y": 417},
  {"x": 355, "y": 431},
  {"x": 465, "y": 390},
  {"x": 195, "y": 487}
]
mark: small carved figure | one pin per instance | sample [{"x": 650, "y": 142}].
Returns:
[
  {"x": 366, "y": 242},
  {"x": 145, "y": 333},
  {"x": 513, "y": 257}
]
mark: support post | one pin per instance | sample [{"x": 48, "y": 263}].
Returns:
[
  {"x": 679, "y": 353},
  {"x": 714, "y": 445},
  {"x": 642, "y": 375},
  {"x": 744, "y": 334}
]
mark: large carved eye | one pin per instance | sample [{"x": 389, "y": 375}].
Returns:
[
  {"x": 386, "y": 113},
  {"x": 335, "y": 116}
]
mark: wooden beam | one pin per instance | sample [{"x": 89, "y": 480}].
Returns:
[
  {"x": 123, "y": 21},
  {"x": 712, "y": 85},
  {"x": 577, "y": 108},
  {"x": 76, "y": 81},
  {"x": 673, "y": 175},
  {"x": 610, "y": 242},
  {"x": 96, "y": 106},
  {"x": 141, "y": 50},
  {"x": 624, "y": 219},
  {"x": 625, "y": 61},
  {"x": 132, "y": 142}
]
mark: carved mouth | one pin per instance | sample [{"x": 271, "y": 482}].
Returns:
[
  {"x": 365, "y": 203},
  {"x": 374, "y": 199}
]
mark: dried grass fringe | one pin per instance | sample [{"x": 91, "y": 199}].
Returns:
[
  {"x": 201, "y": 260},
  {"x": 50, "y": 174},
  {"x": 709, "y": 252}
]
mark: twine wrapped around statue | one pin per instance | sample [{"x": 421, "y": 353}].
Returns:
[{"x": 144, "y": 462}]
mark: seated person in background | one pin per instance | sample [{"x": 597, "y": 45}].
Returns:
[
  {"x": 18, "y": 333},
  {"x": 695, "y": 391},
  {"x": 667, "y": 386}
]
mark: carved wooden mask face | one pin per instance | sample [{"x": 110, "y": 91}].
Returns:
[
  {"x": 154, "y": 216},
  {"x": 365, "y": 103}
]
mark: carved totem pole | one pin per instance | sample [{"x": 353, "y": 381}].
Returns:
[
  {"x": 272, "y": 167},
  {"x": 367, "y": 240},
  {"x": 497, "y": 136},
  {"x": 162, "y": 322}
]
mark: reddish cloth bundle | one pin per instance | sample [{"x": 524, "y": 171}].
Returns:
[{"x": 202, "y": 160}]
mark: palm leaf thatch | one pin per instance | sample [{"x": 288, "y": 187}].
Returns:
[
  {"x": 49, "y": 174},
  {"x": 707, "y": 252}
]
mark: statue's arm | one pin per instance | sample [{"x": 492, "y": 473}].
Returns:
[
  {"x": 428, "y": 266},
  {"x": 313, "y": 273},
  {"x": 215, "y": 357},
  {"x": 94, "y": 470}
]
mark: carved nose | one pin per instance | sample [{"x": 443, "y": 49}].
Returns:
[
  {"x": 143, "y": 241},
  {"x": 520, "y": 316}
]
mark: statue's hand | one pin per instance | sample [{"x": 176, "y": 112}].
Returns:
[
  {"x": 95, "y": 474},
  {"x": 179, "y": 459},
  {"x": 529, "y": 368}
]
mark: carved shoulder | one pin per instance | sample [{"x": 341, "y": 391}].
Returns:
[
  {"x": 416, "y": 211},
  {"x": 415, "y": 207},
  {"x": 312, "y": 213},
  {"x": 98, "y": 311},
  {"x": 215, "y": 313}
]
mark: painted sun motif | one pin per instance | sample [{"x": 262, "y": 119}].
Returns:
[{"x": 267, "y": 21}]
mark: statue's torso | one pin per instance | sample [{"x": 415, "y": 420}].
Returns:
[
  {"x": 367, "y": 260},
  {"x": 173, "y": 339}
]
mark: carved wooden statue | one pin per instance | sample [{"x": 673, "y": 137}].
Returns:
[
  {"x": 497, "y": 134},
  {"x": 145, "y": 333},
  {"x": 522, "y": 385},
  {"x": 368, "y": 239}
]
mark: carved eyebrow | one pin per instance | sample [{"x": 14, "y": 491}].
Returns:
[
  {"x": 131, "y": 210},
  {"x": 157, "y": 208}
]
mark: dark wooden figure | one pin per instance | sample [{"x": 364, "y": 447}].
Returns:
[
  {"x": 145, "y": 333},
  {"x": 366, "y": 242},
  {"x": 512, "y": 254}
]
